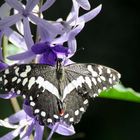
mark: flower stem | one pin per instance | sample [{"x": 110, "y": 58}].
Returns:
[{"x": 39, "y": 15}]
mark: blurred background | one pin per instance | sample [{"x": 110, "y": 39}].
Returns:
[{"x": 111, "y": 39}]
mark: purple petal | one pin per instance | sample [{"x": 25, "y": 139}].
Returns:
[
  {"x": 72, "y": 45},
  {"x": 84, "y": 4},
  {"x": 22, "y": 56},
  {"x": 60, "y": 49},
  {"x": 25, "y": 138},
  {"x": 40, "y": 48},
  {"x": 17, "y": 117},
  {"x": 29, "y": 130},
  {"x": 11, "y": 135},
  {"x": 48, "y": 58},
  {"x": 70, "y": 35},
  {"x": 8, "y": 95},
  {"x": 54, "y": 128},
  {"x": 15, "y": 4},
  {"x": 2, "y": 65},
  {"x": 45, "y": 24},
  {"x": 90, "y": 15},
  {"x": 15, "y": 38},
  {"x": 73, "y": 15},
  {"x": 7, "y": 124},
  {"x": 38, "y": 132},
  {"x": 44, "y": 34},
  {"x": 28, "y": 109},
  {"x": 63, "y": 129},
  {"x": 4, "y": 10},
  {"x": 9, "y": 21},
  {"x": 47, "y": 5},
  {"x": 27, "y": 33},
  {"x": 31, "y": 4}
]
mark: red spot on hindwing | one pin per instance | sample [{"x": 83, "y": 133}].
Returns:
[{"x": 61, "y": 112}]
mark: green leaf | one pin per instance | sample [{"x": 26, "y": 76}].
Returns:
[{"x": 121, "y": 93}]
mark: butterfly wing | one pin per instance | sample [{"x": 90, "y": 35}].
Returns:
[
  {"x": 85, "y": 81},
  {"x": 36, "y": 83},
  {"x": 14, "y": 78}
]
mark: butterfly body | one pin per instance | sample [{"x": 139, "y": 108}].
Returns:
[{"x": 58, "y": 93}]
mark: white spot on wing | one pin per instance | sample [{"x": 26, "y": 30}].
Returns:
[
  {"x": 114, "y": 77},
  {"x": 24, "y": 81},
  {"x": 94, "y": 81},
  {"x": 14, "y": 79},
  {"x": 95, "y": 95},
  {"x": 5, "y": 81},
  {"x": 49, "y": 120},
  {"x": 28, "y": 69},
  {"x": 119, "y": 75},
  {"x": 12, "y": 90},
  {"x": 88, "y": 81},
  {"x": 71, "y": 119},
  {"x": 18, "y": 92},
  {"x": 66, "y": 116},
  {"x": 23, "y": 74},
  {"x": 94, "y": 73},
  {"x": 108, "y": 70},
  {"x": 7, "y": 71},
  {"x": 99, "y": 90},
  {"x": 16, "y": 71},
  {"x": 31, "y": 82},
  {"x": 99, "y": 80},
  {"x": 43, "y": 113},
  {"x": 103, "y": 78},
  {"x": 104, "y": 88},
  {"x": 82, "y": 109},
  {"x": 18, "y": 81},
  {"x": 32, "y": 103},
  {"x": 24, "y": 96},
  {"x": 55, "y": 116},
  {"x": 76, "y": 112},
  {"x": 85, "y": 102},
  {"x": 100, "y": 70},
  {"x": 110, "y": 80},
  {"x": 36, "y": 111}
]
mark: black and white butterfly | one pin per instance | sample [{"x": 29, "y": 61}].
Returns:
[{"x": 58, "y": 93}]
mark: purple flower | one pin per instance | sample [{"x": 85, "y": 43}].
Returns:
[
  {"x": 26, "y": 13},
  {"x": 49, "y": 53},
  {"x": 71, "y": 27}
]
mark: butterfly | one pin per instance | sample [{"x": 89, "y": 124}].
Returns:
[{"x": 58, "y": 93}]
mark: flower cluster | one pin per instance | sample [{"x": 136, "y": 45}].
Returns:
[{"x": 43, "y": 47}]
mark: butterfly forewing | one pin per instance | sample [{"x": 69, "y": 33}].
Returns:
[
  {"x": 91, "y": 78},
  {"x": 52, "y": 98}
]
